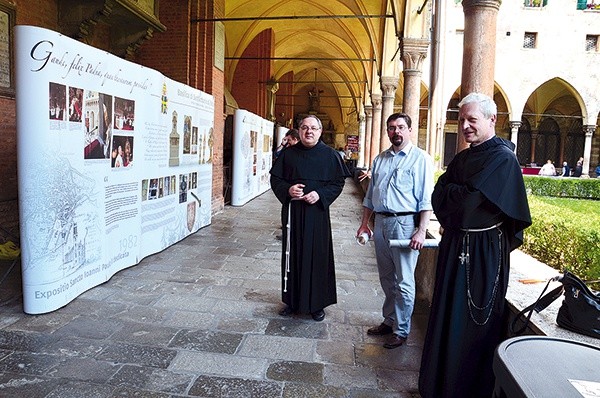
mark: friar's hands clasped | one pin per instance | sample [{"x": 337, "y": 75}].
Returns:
[{"x": 296, "y": 191}]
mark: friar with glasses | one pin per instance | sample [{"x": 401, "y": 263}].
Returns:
[
  {"x": 307, "y": 178},
  {"x": 399, "y": 194}
]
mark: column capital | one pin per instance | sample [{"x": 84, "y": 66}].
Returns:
[
  {"x": 468, "y": 4},
  {"x": 515, "y": 124},
  {"x": 414, "y": 52},
  {"x": 376, "y": 101},
  {"x": 389, "y": 85},
  {"x": 272, "y": 85},
  {"x": 589, "y": 130}
]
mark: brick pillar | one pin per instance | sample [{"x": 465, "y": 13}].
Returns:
[
  {"x": 479, "y": 50},
  {"x": 248, "y": 87},
  {"x": 204, "y": 76},
  {"x": 368, "y": 135},
  {"x": 414, "y": 52},
  {"x": 389, "y": 84},
  {"x": 284, "y": 114}
]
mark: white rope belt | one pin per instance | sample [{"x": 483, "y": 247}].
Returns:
[
  {"x": 287, "y": 247},
  {"x": 481, "y": 229}
]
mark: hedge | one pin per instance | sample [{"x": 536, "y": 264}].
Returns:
[
  {"x": 564, "y": 187},
  {"x": 563, "y": 238}
]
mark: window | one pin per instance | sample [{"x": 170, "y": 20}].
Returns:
[
  {"x": 591, "y": 43},
  {"x": 529, "y": 40}
]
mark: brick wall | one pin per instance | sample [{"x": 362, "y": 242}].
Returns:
[
  {"x": 249, "y": 82},
  {"x": 184, "y": 52},
  {"x": 168, "y": 52},
  {"x": 283, "y": 113},
  {"x": 44, "y": 14}
]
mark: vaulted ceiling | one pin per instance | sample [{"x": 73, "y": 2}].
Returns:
[{"x": 343, "y": 46}]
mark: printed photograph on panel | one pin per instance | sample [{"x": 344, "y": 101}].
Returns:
[
  {"x": 75, "y": 104},
  {"x": 124, "y": 114},
  {"x": 98, "y": 125},
  {"x": 57, "y": 99}
]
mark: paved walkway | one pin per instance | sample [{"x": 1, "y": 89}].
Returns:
[{"x": 200, "y": 319}]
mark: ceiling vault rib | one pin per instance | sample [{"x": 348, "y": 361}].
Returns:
[
  {"x": 318, "y": 81},
  {"x": 306, "y": 59},
  {"x": 325, "y": 106},
  {"x": 291, "y": 17},
  {"x": 320, "y": 96}
]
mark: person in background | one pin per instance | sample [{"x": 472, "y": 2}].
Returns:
[
  {"x": 566, "y": 170},
  {"x": 597, "y": 171},
  {"x": 307, "y": 178},
  {"x": 399, "y": 194},
  {"x": 291, "y": 138},
  {"x": 481, "y": 205},
  {"x": 548, "y": 169},
  {"x": 347, "y": 153},
  {"x": 578, "y": 168}
]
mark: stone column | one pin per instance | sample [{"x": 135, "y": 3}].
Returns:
[
  {"x": 534, "y": 135},
  {"x": 272, "y": 87},
  {"x": 587, "y": 148},
  {"x": 388, "y": 87},
  {"x": 361, "y": 140},
  {"x": 376, "y": 133},
  {"x": 368, "y": 135},
  {"x": 514, "y": 132},
  {"x": 479, "y": 50},
  {"x": 414, "y": 52}
]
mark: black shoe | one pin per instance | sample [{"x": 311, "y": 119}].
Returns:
[
  {"x": 395, "y": 341},
  {"x": 380, "y": 330},
  {"x": 287, "y": 311},
  {"x": 318, "y": 316}
]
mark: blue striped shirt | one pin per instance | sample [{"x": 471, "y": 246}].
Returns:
[{"x": 401, "y": 182}]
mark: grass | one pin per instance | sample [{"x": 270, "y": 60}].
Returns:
[{"x": 565, "y": 234}]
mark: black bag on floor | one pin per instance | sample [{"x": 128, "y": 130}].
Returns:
[{"x": 580, "y": 309}]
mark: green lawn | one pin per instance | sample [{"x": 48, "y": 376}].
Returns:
[{"x": 565, "y": 234}]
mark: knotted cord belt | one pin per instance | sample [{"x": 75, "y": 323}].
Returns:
[{"x": 465, "y": 260}]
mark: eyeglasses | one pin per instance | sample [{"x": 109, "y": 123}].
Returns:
[
  {"x": 401, "y": 127},
  {"x": 306, "y": 128}
]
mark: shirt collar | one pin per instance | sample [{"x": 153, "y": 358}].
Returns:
[{"x": 405, "y": 151}]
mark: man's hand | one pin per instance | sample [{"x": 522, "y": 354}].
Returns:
[
  {"x": 296, "y": 191},
  {"x": 418, "y": 238},
  {"x": 311, "y": 197},
  {"x": 364, "y": 175}
]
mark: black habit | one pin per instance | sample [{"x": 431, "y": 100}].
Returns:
[
  {"x": 310, "y": 285},
  {"x": 482, "y": 186}
]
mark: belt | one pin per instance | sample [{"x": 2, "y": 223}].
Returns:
[
  {"x": 404, "y": 213},
  {"x": 481, "y": 229}
]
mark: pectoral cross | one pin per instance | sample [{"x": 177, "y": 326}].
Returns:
[{"x": 464, "y": 258}]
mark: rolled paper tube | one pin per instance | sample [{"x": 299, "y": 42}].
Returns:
[{"x": 404, "y": 243}]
